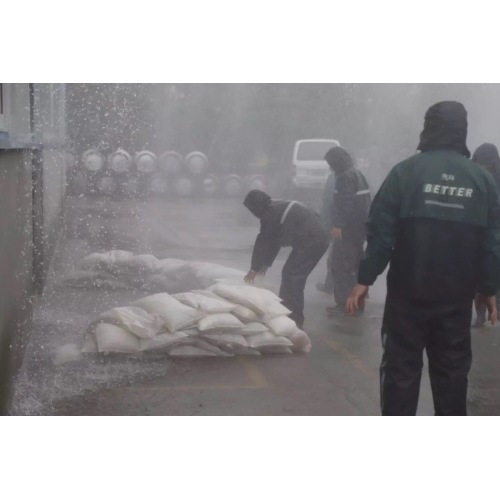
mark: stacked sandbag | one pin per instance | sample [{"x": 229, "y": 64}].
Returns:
[
  {"x": 121, "y": 269},
  {"x": 224, "y": 320}
]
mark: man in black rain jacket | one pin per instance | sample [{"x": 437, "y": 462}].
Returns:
[
  {"x": 436, "y": 220},
  {"x": 287, "y": 224},
  {"x": 349, "y": 213},
  {"x": 487, "y": 157}
]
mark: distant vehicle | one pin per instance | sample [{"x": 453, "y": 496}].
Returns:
[{"x": 310, "y": 169}]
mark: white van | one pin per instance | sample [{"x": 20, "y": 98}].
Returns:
[{"x": 310, "y": 169}]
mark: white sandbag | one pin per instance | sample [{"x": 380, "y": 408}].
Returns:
[
  {"x": 140, "y": 264},
  {"x": 208, "y": 273},
  {"x": 226, "y": 338},
  {"x": 244, "y": 295},
  {"x": 170, "y": 266},
  {"x": 282, "y": 325},
  {"x": 219, "y": 321},
  {"x": 67, "y": 353},
  {"x": 301, "y": 342},
  {"x": 134, "y": 319},
  {"x": 89, "y": 344},
  {"x": 228, "y": 281},
  {"x": 174, "y": 315},
  {"x": 113, "y": 338},
  {"x": 267, "y": 339},
  {"x": 203, "y": 303},
  {"x": 245, "y": 315},
  {"x": 234, "y": 344},
  {"x": 238, "y": 350},
  {"x": 198, "y": 343},
  {"x": 190, "y": 332},
  {"x": 161, "y": 341},
  {"x": 277, "y": 349},
  {"x": 266, "y": 294},
  {"x": 190, "y": 351},
  {"x": 276, "y": 309},
  {"x": 253, "y": 328},
  {"x": 106, "y": 259}
]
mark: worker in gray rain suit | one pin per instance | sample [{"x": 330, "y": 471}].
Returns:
[
  {"x": 287, "y": 224},
  {"x": 487, "y": 157},
  {"x": 349, "y": 213}
]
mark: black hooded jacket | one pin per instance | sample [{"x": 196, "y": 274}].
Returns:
[
  {"x": 445, "y": 128},
  {"x": 282, "y": 224},
  {"x": 436, "y": 219},
  {"x": 487, "y": 157},
  {"x": 352, "y": 198}
]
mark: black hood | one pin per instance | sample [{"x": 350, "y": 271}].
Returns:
[
  {"x": 257, "y": 202},
  {"x": 487, "y": 156},
  {"x": 445, "y": 127},
  {"x": 339, "y": 159}
]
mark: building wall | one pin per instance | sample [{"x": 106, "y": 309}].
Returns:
[
  {"x": 16, "y": 264},
  {"x": 50, "y": 130},
  {"x": 32, "y": 191}
]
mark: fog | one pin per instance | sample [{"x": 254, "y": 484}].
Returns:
[
  {"x": 161, "y": 170},
  {"x": 251, "y": 128}
]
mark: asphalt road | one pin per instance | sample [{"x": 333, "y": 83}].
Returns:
[{"x": 338, "y": 377}]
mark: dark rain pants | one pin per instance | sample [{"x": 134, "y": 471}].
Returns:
[
  {"x": 347, "y": 254},
  {"x": 443, "y": 330},
  {"x": 299, "y": 265}
]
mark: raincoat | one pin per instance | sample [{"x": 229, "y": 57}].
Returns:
[
  {"x": 349, "y": 212},
  {"x": 287, "y": 224},
  {"x": 436, "y": 220}
]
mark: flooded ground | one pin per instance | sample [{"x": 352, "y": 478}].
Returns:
[{"x": 338, "y": 377}]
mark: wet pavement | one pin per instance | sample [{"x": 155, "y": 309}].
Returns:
[{"x": 338, "y": 377}]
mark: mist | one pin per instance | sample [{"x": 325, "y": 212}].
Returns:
[
  {"x": 251, "y": 128},
  {"x": 144, "y": 195}
]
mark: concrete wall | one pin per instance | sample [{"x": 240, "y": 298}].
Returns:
[
  {"x": 16, "y": 264},
  {"x": 32, "y": 192}
]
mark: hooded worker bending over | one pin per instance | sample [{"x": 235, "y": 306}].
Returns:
[{"x": 287, "y": 224}]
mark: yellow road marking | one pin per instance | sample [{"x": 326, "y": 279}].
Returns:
[
  {"x": 254, "y": 373},
  {"x": 355, "y": 361},
  {"x": 190, "y": 387}
]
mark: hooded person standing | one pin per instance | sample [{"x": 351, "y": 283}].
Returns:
[
  {"x": 435, "y": 219},
  {"x": 488, "y": 158},
  {"x": 287, "y": 224},
  {"x": 349, "y": 213}
]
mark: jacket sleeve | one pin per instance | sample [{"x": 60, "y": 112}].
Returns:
[
  {"x": 381, "y": 229},
  {"x": 266, "y": 248},
  {"x": 343, "y": 203},
  {"x": 489, "y": 282}
]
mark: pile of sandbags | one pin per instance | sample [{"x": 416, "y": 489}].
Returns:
[
  {"x": 122, "y": 269},
  {"x": 222, "y": 320}
]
